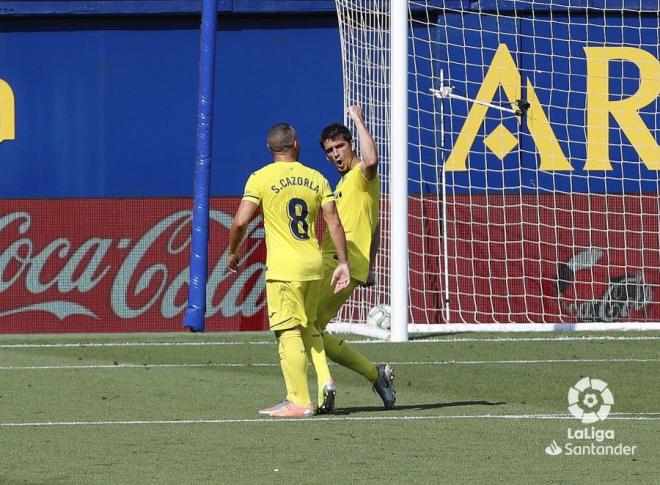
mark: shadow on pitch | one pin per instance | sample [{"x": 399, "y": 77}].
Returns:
[{"x": 416, "y": 407}]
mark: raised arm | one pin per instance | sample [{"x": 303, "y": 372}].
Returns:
[
  {"x": 342, "y": 274},
  {"x": 368, "y": 150},
  {"x": 244, "y": 215}
]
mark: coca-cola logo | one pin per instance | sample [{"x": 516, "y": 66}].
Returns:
[{"x": 67, "y": 274}]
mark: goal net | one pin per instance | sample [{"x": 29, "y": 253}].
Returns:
[{"x": 533, "y": 160}]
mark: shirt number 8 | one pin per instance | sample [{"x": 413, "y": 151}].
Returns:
[{"x": 298, "y": 212}]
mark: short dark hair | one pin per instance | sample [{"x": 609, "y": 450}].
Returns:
[
  {"x": 334, "y": 131},
  {"x": 281, "y": 137}
]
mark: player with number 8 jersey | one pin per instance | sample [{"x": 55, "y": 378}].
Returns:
[{"x": 291, "y": 195}]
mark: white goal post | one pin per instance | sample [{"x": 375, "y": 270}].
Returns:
[{"x": 520, "y": 162}]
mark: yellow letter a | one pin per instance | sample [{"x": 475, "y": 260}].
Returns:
[{"x": 502, "y": 71}]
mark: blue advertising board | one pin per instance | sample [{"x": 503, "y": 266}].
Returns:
[
  {"x": 104, "y": 95},
  {"x": 593, "y": 123},
  {"x": 106, "y": 106}
]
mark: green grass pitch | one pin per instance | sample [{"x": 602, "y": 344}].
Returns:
[{"x": 182, "y": 409}]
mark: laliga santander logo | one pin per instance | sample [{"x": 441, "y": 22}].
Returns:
[{"x": 590, "y": 400}]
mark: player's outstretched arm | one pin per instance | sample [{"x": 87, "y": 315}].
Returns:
[
  {"x": 342, "y": 274},
  {"x": 368, "y": 150},
  {"x": 244, "y": 215}
]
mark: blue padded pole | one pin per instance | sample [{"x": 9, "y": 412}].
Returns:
[{"x": 194, "y": 316}]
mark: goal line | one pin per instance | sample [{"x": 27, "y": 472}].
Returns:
[{"x": 369, "y": 331}]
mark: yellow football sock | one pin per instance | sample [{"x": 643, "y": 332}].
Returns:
[
  {"x": 295, "y": 365},
  {"x": 342, "y": 353},
  {"x": 313, "y": 341},
  {"x": 285, "y": 373}
]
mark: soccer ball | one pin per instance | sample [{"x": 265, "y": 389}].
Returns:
[{"x": 379, "y": 316}]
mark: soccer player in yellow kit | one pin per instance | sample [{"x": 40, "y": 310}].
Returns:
[
  {"x": 290, "y": 196},
  {"x": 358, "y": 200}
]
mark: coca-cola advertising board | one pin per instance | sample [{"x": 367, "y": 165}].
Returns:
[{"x": 121, "y": 265}]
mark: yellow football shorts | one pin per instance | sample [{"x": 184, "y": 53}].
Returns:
[
  {"x": 330, "y": 303},
  {"x": 291, "y": 303}
]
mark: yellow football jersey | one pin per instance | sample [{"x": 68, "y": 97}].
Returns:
[
  {"x": 290, "y": 195},
  {"x": 358, "y": 204}
]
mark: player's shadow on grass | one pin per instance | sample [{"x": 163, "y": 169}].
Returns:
[{"x": 416, "y": 407}]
